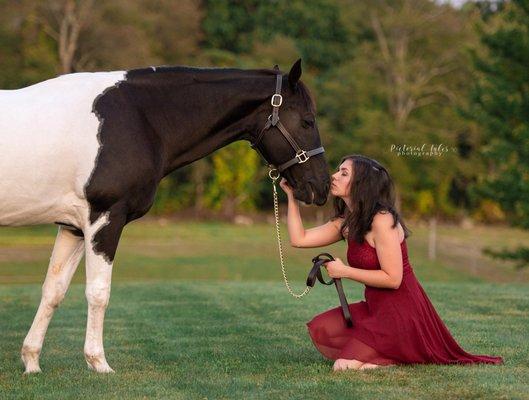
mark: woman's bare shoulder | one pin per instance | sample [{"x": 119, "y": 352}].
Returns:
[{"x": 384, "y": 219}]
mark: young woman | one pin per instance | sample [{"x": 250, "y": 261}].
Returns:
[{"x": 397, "y": 323}]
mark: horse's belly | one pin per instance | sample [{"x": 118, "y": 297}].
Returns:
[
  {"x": 38, "y": 179},
  {"x": 67, "y": 208}
]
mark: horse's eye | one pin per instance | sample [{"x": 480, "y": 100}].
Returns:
[{"x": 307, "y": 123}]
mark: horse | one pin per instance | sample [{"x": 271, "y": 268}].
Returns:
[{"x": 87, "y": 150}]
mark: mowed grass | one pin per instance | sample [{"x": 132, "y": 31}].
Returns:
[{"x": 199, "y": 311}]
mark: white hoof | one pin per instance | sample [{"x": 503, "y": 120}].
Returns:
[
  {"x": 98, "y": 363},
  {"x": 32, "y": 369},
  {"x": 30, "y": 358}
]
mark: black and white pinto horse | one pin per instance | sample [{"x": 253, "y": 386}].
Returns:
[{"x": 87, "y": 151}]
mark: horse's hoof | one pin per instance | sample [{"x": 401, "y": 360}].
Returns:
[
  {"x": 98, "y": 364},
  {"x": 105, "y": 369},
  {"x": 30, "y": 358},
  {"x": 32, "y": 370}
]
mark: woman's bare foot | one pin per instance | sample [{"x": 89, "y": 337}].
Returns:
[{"x": 342, "y": 364}]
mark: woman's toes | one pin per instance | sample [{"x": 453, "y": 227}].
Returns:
[
  {"x": 343, "y": 364},
  {"x": 337, "y": 365},
  {"x": 369, "y": 366}
]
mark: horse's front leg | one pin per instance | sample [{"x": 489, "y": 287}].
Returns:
[
  {"x": 101, "y": 240},
  {"x": 67, "y": 252}
]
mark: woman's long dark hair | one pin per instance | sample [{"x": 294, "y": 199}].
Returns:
[{"x": 372, "y": 190}]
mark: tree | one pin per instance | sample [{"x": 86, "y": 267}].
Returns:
[
  {"x": 402, "y": 87},
  {"x": 317, "y": 29},
  {"x": 63, "y": 21},
  {"x": 499, "y": 103}
]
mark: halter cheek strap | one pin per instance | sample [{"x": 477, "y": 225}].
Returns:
[{"x": 301, "y": 155}]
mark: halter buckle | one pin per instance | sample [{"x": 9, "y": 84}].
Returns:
[
  {"x": 301, "y": 156},
  {"x": 276, "y": 100}
]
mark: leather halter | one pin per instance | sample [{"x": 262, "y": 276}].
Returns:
[{"x": 273, "y": 121}]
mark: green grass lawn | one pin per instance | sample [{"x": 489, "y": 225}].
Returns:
[{"x": 200, "y": 311}]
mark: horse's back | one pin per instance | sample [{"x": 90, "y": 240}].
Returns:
[{"x": 48, "y": 139}]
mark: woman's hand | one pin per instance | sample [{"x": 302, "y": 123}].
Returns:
[
  {"x": 286, "y": 187},
  {"x": 336, "y": 268}
]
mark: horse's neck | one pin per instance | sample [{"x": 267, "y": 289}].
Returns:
[{"x": 195, "y": 113}]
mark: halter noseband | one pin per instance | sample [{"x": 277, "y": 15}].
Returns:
[{"x": 273, "y": 120}]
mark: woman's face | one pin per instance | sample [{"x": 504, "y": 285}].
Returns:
[{"x": 341, "y": 180}]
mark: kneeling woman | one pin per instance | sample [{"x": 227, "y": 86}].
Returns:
[{"x": 397, "y": 323}]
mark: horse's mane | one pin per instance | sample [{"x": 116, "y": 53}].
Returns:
[
  {"x": 211, "y": 74},
  {"x": 228, "y": 72}
]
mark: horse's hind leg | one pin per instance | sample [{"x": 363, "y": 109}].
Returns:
[{"x": 67, "y": 252}]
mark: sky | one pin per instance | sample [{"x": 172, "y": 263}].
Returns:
[{"x": 455, "y": 3}]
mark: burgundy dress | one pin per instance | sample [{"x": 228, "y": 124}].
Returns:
[{"x": 392, "y": 326}]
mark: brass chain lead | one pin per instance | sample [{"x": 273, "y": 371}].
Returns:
[{"x": 280, "y": 247}]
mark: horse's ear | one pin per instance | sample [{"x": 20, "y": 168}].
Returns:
[{"x": 294, "y": 74}]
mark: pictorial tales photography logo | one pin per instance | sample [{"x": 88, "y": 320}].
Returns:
[{"x": 424, "y": 150}]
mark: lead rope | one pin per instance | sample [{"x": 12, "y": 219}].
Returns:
[{"x": 280, "y": 247}]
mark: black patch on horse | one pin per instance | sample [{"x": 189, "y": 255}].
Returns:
[{"x": 157, "y": 120}]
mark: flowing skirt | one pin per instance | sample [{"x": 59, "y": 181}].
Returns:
[{"x": 392, "y": 326}]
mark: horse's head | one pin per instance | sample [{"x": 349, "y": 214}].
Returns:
[{"x": 289, "y": 139}]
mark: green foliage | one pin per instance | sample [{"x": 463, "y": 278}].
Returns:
[
  {"x": 27, "y": 54},
  {"x": 172, "y": 195},
  {"x": 425, "y": 202},
  {"x": 499, "y": 103},
  {"x": 489, "y": 211},
  {"x": 402, "y": 88},
  {"x": 318, "y": 31},
  {"x": 233, "y": 183},
  {"x": 39, "y": 52},
  {"x": 229, "y": 25},
  {"x": 520, "y": 255}
]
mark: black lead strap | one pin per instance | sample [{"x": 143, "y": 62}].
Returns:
[{"x": 315, "y": 272}]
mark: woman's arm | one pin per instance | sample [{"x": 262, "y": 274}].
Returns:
[
  {"x": 315, "y": 237},
  {"x": 387, "y": 244},
  {"x": 377, "y": 278}
]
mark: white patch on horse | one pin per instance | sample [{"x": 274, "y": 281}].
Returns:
[{"x": 48, "y": 137}]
